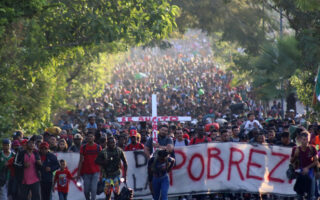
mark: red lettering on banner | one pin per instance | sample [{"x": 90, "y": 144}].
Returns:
[
  {"x": 141, "y": 119},
  {"x": 214, "y": 155},
  {"x": 148, "y": 119},
  {"x": 284, "y": 158},
  {"x": 196, "y": 155},
  {"x": 154, "y": 119},
  {"x": 172, "y": 119},
  {"x": 129, "y": 119},
  {"x": 164, "y": 118},
  {"x": 250, "y": 163},
  {"x": 178, "y": 166},
  {"x": 123, "y": 119},
  {"x": 237, "y": 163},
  {"x": 184, "y": 158},
  {"x": 154, "y": 127}
]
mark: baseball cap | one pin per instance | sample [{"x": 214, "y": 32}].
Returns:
[
  {"x": 24, "y": 141},
  {"x": 6, "y": 141},
  {"x": 133, "y": 133},
  {"x": 44, "y": 145},
  {"x": 77, "y": 136}
]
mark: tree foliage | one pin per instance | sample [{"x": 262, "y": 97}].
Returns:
[
  {"x": 272, "y": 69},
  {"x": 242, "y": 22},
  {"x": 54, "y": 53},
  {"x": 267, "y": 60}
]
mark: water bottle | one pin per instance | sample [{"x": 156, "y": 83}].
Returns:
[{"x": 79, "y": 182}]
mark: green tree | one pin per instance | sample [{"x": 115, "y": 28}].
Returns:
[
  {"x": 51, "y": 51},
  {"x": 272, "y": 68},
  {"x": 308, "y": 5},
  {"x": 244, "y": 23}
]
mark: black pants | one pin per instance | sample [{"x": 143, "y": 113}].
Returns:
[
  {"x": 46, "y": 190},
  {"x": 14, "y": 188},
  {"x": 35, "y": 191}
]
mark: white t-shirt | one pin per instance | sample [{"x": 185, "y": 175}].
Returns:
[
  {"x": 180, "y": 144},
  {"x": 251, "y": 125}
]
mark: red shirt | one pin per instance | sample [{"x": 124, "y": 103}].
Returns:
[
  {"x": 199, "y": 140},
  {"x": 63, "y": 178},
  {"x": 90, "y": 153},
  {"x": 305, "y": 157},
  {"x": 132, "y": 147},
  {"x": 43, "y": 158},
  {"x": 11, "y": 167}
]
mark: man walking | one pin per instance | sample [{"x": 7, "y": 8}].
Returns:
[
  {"x": 49, "y": 165},
  {"x": 5, "y": 155},
  {"x": 110, "y": 160},
  {"x": 28, "y": 165},
  {"x": 87, "y": 168},
  {"x": 164, "y": 142}
]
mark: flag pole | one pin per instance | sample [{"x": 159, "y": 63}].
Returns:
[{"x": 316, "y": 92}]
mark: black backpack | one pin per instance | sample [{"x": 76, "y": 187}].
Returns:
[{"x": 126, "y": 193}]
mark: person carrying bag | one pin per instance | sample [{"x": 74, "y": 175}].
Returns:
[{"x": 305, "y": 159}]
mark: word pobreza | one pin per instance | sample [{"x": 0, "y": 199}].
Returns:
[
  {"x": 154, "y": 119},
  {"x": 211, "y": 167},
  {"x": 216, "y": 167}
]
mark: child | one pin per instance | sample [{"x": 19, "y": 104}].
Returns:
[{"x": 62, "y": 177}]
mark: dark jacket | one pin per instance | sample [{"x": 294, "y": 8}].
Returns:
[
  {"x": 19, "y": 165},
  {"x": 52, "y": 162}
]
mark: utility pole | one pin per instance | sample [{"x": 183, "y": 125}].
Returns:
[
  {"x": 281, "y": 79},
  {"x": 281, "y": 16}
]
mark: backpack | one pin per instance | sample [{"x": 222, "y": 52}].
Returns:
[
  {"x": 153, "y": 166},
  {"x": 126, "y": 193},
  {"x": 114, "y": 165},
  {"x": 296, "y": 164},
  {"x": 186, "y": 142},
  {"x": 84, "y": 148},
  {"x": 106, "y": 152}
]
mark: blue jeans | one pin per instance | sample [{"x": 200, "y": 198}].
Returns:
[
  {"x": 62, "y": 196},
  {"x": 90, "y": 182},
  {"x": 160, "y": 185}
]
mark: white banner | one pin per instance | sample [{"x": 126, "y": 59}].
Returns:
[
  {"x": 153, "y": 119},
  {"x": 212, "y": 167}
]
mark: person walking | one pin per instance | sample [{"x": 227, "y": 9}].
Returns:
[
  {"x": 87, "y": 167},
  {"x": 5, "y": 156},
  {"x": 158, "y": 168},
  {"x": 304, "y": 157},
  {"x": 49, "y": 165},
  {"x": 28, "y": 168},
  {"x": 62, "y": 179},
  {"x": 110, "y": 160}
]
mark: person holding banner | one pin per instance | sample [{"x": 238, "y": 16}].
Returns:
[
  {"x": 110, "y": 161},
  {"x": 164, "y": 141},
  {"x": 304, "y": 157},
  {"x": 158, "y": 168}
]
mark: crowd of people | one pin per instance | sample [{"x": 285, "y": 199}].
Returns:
[{"x": 187, "y": 85}]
